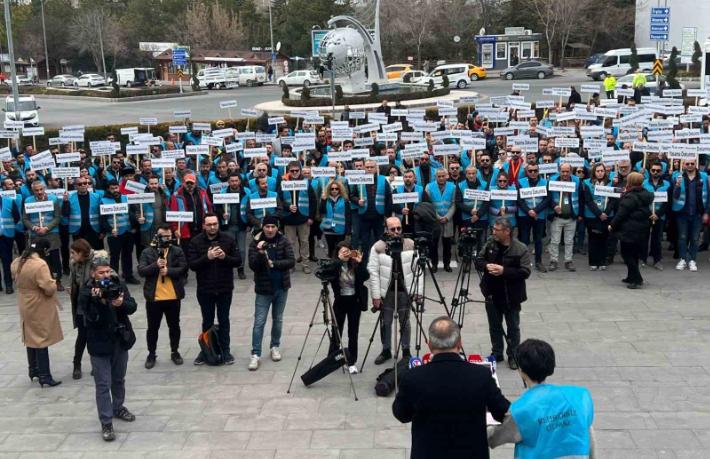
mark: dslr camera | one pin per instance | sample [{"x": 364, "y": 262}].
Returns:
[
  {"x": 110, "y": 287},
  {"x": 395, "y": 245},
  {"x": 159, "y": 242},
  {"x": 327, "y": 270},
  {"x": 469, "y": 242}
]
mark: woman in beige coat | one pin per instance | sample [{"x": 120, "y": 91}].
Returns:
[{"x": 37, "y": 303}]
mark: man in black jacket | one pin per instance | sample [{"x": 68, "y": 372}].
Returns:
[
  {"x": 505, "y": 263},
  {"x": 164, "y": 267},
  {"x": 271, "y": 258},
  {"x": 447, "y": 399},
  {"x": 213, "y": 255},
  {"x": 109, "y": 336}
]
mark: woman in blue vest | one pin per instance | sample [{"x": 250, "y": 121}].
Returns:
[
  {"x": 499, "y": 207},
  {"x": 547, "y": 421},
  {"x": 336, "y": 214},
  {"x": 598, "y": 211}
]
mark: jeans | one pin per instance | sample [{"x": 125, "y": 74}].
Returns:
[
  {"x": 297, "y": 235},
  {"x": 403, "y": 308},
  {"x": 653, "y": 245},
  {"x": 525, "y": 225},
  {"x": 631, "y": 253},
  {"x": 110, "y": 378},
  {"x": 121, "y": 247},
  {"x": 6, "y": 259},
  {"x": 688, "y": 234},
  {"x": 370, "y": 230},
  {"x": 495, "y": 329},
  {"x": 261, "y": 310},
  {"x": 240, "y": 235},
  {"x": 154, "y": 311},
  {"x": 579, "y": 236},
  {"x": 346, "y": 306},
  {"x": 558, "y": 227},
  {"x": 221, "y": 302}
]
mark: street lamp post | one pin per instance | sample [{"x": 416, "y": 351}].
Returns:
[
  {"x": 11, "y": 52},
  {"x": 44, "y": 34},
  {"x": 101, "y": 44},
  {"x": 273, "y": 52}
]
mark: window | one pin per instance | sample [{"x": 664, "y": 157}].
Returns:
[
  {"x": 536, "y": 49},
  {"x": 609, "y": 61},
  {"x": 528, "y": 65},
  {"x": 527, "y": 49},
  {"x": 647, "y": 58},
  {"x": 501, "y": 50},
  {"x": 624, "y": 59}
]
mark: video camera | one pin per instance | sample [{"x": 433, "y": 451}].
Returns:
[
  {"x": 327, "y": 270},
  {"x": 110, "y": 287},
  {"x": 422, "y": 241},
  {"x": 395, "y": 245},
  {"x": 469, "y": 240},
  {"x": 161, "y": 242}
]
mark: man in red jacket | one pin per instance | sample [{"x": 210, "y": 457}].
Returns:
[{"x": 190, "y": 198}]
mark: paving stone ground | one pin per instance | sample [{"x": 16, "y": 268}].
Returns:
[{"x": 644, "y": 354}]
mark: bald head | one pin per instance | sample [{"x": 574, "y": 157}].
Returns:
[
  {"x": 444, "y": 336},
  {"x": 394, "y": 226}
]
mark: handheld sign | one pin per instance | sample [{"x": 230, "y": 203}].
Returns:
[
  {"x": 182, "y": 114},
  {"x": 660, "y": 196},
  {"x": 162, "y": 163},
  {"x": 180, "y": 217},
  {"x": 114, "y": 209},
  {"x": 225, "y": 198},
  {"x": 562, "y": 187},
  {"x": 38, "y": 207},
  {"x": 180, "y": 129},
  {"x": 227, "y": 104},
  {"x": 404, "y": 198},
  {"x": 262, "y": 203},
  {"x": 12, "y": 194},
  {"x": 533, "y": 192},
  {"x": 140, "y": 198},
  {"x": 322, "y": 172},
  {"x": 607, "y": 191},
  {"x": 136, "y": 187},
  {"x": 65, "y": 172},
  {"x": 504, "y": 195},
  {"x": 68, "y": 157},
  {"x": 43, "y": 160},
  {"x": 258, "y": 152},
  {"x": 277, "y": 120},
  {"x": 218, "y": 187},
  {"x": 361, "y": 179},
  {"x": 477, "y": 195},
  {"x": 5, "y": 154},
  {"x": 294, "y": 185}
]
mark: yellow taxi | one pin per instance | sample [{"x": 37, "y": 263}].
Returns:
[
  {"x": 395, "y": 71},
  {"x": 475, "y": 72}
]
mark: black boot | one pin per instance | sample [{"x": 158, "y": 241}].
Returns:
[
  {"x": 76, "y": 373},
  {"x": 32, "y": 363},
  {"x": 240, "y": 273},
  {"x": 45, "y": 377}
]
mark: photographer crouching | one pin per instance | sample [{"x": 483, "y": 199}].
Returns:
[
  {"x": 106, "y": 303},
  {"x": 382, "y": 285},
  {"x": 505, "y": 264},
  {"x": 164, "y": 267}
]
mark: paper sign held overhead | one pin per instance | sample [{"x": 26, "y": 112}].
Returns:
[
  {"x": 148, "y": 121},
  {"x": 227, "y": 104}
]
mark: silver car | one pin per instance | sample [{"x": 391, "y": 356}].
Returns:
[
  {"x": 61, "y": 80},
  {"x": 531, "y": 69}
]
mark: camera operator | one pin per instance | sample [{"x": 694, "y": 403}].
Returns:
[
  {"x": 106, "y": 303},
  {"x": 505, "y": 263},
  {"x": 350, "y": 296},
  {"x": 164, "y": 267},
  {"x": 382, "y": 286}
]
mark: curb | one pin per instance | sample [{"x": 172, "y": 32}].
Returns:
[{"x": 123, "y": 99}]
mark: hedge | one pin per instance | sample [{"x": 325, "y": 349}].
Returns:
[
  {"x": 365, "y": 99},
  {"x": 51, "y": 91}
]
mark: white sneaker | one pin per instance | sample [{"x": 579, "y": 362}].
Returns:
[
  {"x": 353, "y": 370},
  {"x": 593, "y": 268},
  {"x": 254, "y": 363},
  {"x": 275, "y": 354},
  {"x": 681, "y": 265},
  {"x": 440, "y": 265},
  {"x": 692, "y": 266},
  {"x": 454, "y": 264},
  {"x": 321, "y": 243}
]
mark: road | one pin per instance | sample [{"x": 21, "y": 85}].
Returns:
[{"x": 62, "y": 112}]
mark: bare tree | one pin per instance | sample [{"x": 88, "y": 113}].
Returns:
[
  {"x": 213, "y": 27},
  {"x": 574, "y": 13},
  {"x": 548, "y": 14},
  {"x": 87, "y": 33},
  {"x": 409, "y": 23}
]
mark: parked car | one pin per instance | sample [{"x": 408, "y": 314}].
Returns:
[
  {"x": 593, "y": 59},
  {"x": 475, "y": 72},
  {"x": 617, "y": 62},
  {"x": 300, "y": 78},
  {"x": 530, "y": 69},
  {"x": 22, "y": 80},
  {"x": 411, "y": 76},
  {"x": 456, "y": 73},
  {"x": 651, "y": 84},
  {"x": 61, "y": 80},
  {"x": 27, "y": 108},
  {"x": 90, "y": 80},
  {"x": 134, "y": 76},
  {"x": 395, "y": 71},
  {"x": 252, "y": 75}
]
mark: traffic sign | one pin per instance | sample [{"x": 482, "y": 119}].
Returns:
[
  {"x": 659, "y": 36},
  {"x": 661, "y": 11},
  {"x": 658, "y": 67},
  {"x": 660, "y": 28},
  {"x": 660, "y": 23},
  {"x": 179, "y": 56},
  {"x": 660, "y": 20},
  {"x": 180, "y": 73}
]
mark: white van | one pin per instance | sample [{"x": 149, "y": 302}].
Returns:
[
  {"x": 218, "y": 77},
  {"x": 616, "y": 62},
  {"x": 27, "y": 108},
  {"x": 252, "y": 75},
  {"x": 457, "y": 74},
  {"x": 135, "y": 76}
]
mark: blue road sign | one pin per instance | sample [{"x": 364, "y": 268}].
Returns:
[
  {"x": 661, "y": 11},
  {"x": 659, "y": 28},
  {"x": 660, "y": 20},
  {"x": 179, "y": 56},
  {"x": 659, "y": 36}
]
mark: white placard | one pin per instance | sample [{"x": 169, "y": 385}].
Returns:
[
  {"x": 65, "y": 172},
  {"x": 8, "y": 124},
  {"x": 176, "y": 216},
  {"x": 322, "y": 172},
  {"x": 72, "y": 136},
  {"x": 148, "y": 121},
  {"x": 403, "y": 198},
  {"x": 182, "y": 114},
  {"x": 259, "y": 152},
  {"x": 607, "y": 191},
  {"x": 548, "y": 168},
  {"x": 68, "y": 157},
  {"x": 283, "y": 161},
  {"x": 32, "y": 131},
  {"x": 533, "y": 192},
  {"x": 444, "y": 150},
  {"x": 226, "y": 132},
  {"x": 566, "y": 187},
  {"x": 225, "y": 198},
  {"x": 341, "y": 156},
  {"x": 224, "y": 104},
  {"x": 140, "y": 198},
  {"x": 173, "y": 154},
  {"x": 612, "y": 156},
  {"x": 521, "y": 87},
  {"x": 672, "y": 93},
  {"x": 212, "y": 141},
  {"x": 5, "y": 154},
  {"x": 262, "y": 203},
  {"x": 56, "y": 192},
  {"x": 505, "y": 195},
  {"x": 362, "y": 179},
  {"x": 43, "y": 160},
  {"x": 294, "y": 185},
  {"x": 37, "y": 207},
  {"x": 477, "y": 195},
  {"x": 114, "y": 209},
  {"x": 218, "y": 187},
  {"x": 590, "y": 88},
  {"x": 248, "y": 112},
  {"x": 162, "y": 163},
  {"x": 277, "y": 120},
  {"x": 136, "y": 187},
  {"x": 197, "y": 149},
  {"x": 136, "y": 149},
  {"x": 12, "y": 194},
  {"x": 129, "y": 130},
  {"x": 203, "y": 127},
  {"x": 660, "y": 196}
]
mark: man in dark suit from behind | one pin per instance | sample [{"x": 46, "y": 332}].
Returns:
[{"x": 447, "y": 399}]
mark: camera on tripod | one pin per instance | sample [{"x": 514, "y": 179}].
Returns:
[
  {"x": 422, "y": 241},
  {"x": 395, "y": 245},
  {"x": 327, "y": 270},
  {"x": 468, "y": 244}
]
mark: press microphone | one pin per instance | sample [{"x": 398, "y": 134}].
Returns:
[{"x": 415, "y": 361}]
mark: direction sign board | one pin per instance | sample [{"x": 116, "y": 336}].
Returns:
[
  {"x": 660, "y": 23},
  {"x": 658, "y": 36}
]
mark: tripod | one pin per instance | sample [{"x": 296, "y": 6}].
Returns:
[
  {"x": 329, "y": 322},
  {"x": 468, "y": 251}
]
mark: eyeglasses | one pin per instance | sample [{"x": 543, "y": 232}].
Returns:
[
  {"x": 655, "y": 170},
  {"x": 211, "y": 224},
  {"x": 335, "y": 188},
  {"x": 396, "y": 229},
  {"x": 485, "y": 160},
  {"x": 454, "y": 168},
  {"x": 502, "y": 181},
  {"x": 82, "y": 183},
  {"x": 295, "y": 171},
  {"x": 533, "y": 171}
]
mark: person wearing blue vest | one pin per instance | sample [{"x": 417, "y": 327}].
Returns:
[
  {"x": 499, "y": 207},
  {"x": 255, "y": 216},
  {"x": 532, "y": 212},
  {"x": 120, "y": 239},
  {"x": 46, "y": 227},
  {"x": 81, "y": 208},
  {"x": 656, "y": 184},
  {"x": 261, "y": 170},
  {"x": 474, "y": 213},
  {"x": 336, "y": 214},
  {"x": 9, "y": 185},
  {"x": 548, "y": 421},
  {"x": 405, "y": 211},
  {"x": 425, "y": 171},
  {"x": 598, "y": 211},
  {"x": 298, "y": 214},
  {"x": 233, "y": 218},
  {"x": 442, "y": 194},
  {"x": 565, "y": 206},
  {"x": 9, "y": 217},
  {"x": 374, "y": 205},
  {"x": 691, "y": 205},
  {"x": 206, "y": 177}
]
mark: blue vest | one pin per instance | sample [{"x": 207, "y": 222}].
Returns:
[
  {"x": 205, "y": 183},
  {"x": 598, "y": 200},
  {"x": 270, "y": 184},
  {"x": 679, "y": 203},
  {"x": 123, "y": 223},
  {"x": 261, "y": 213},
  {"x": 432, "y": 175},
  {"x": 533, "y": 202},
  {"x": 638, "y": 167},
  {"x": 553, "y": 422},
  {"x": 6, "y": 219},
  {"x": 664, "y": 186},
  {"x": 46, "y": 216},
  {"x": 302, "y": 199},
  {"x": 379, "y": 196},
  {"x": 442, "y": 201},
  {"x": 75, "y": 212},
  {"x": 463, "y": 186},
  {"x": 511, "y": 207},
  {"x": 417, "y": 189},
  {"x": 20, "y": 227},
  {"x": 334, "y": 218},
  {"x": 555, "y": 195}
]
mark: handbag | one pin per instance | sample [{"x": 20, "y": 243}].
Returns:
[{"x": 123, "y": 330}]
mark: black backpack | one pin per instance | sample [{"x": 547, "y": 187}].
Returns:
[
  {"x": 385, "y": 381},
  {"x": 209, "y": 344}
]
